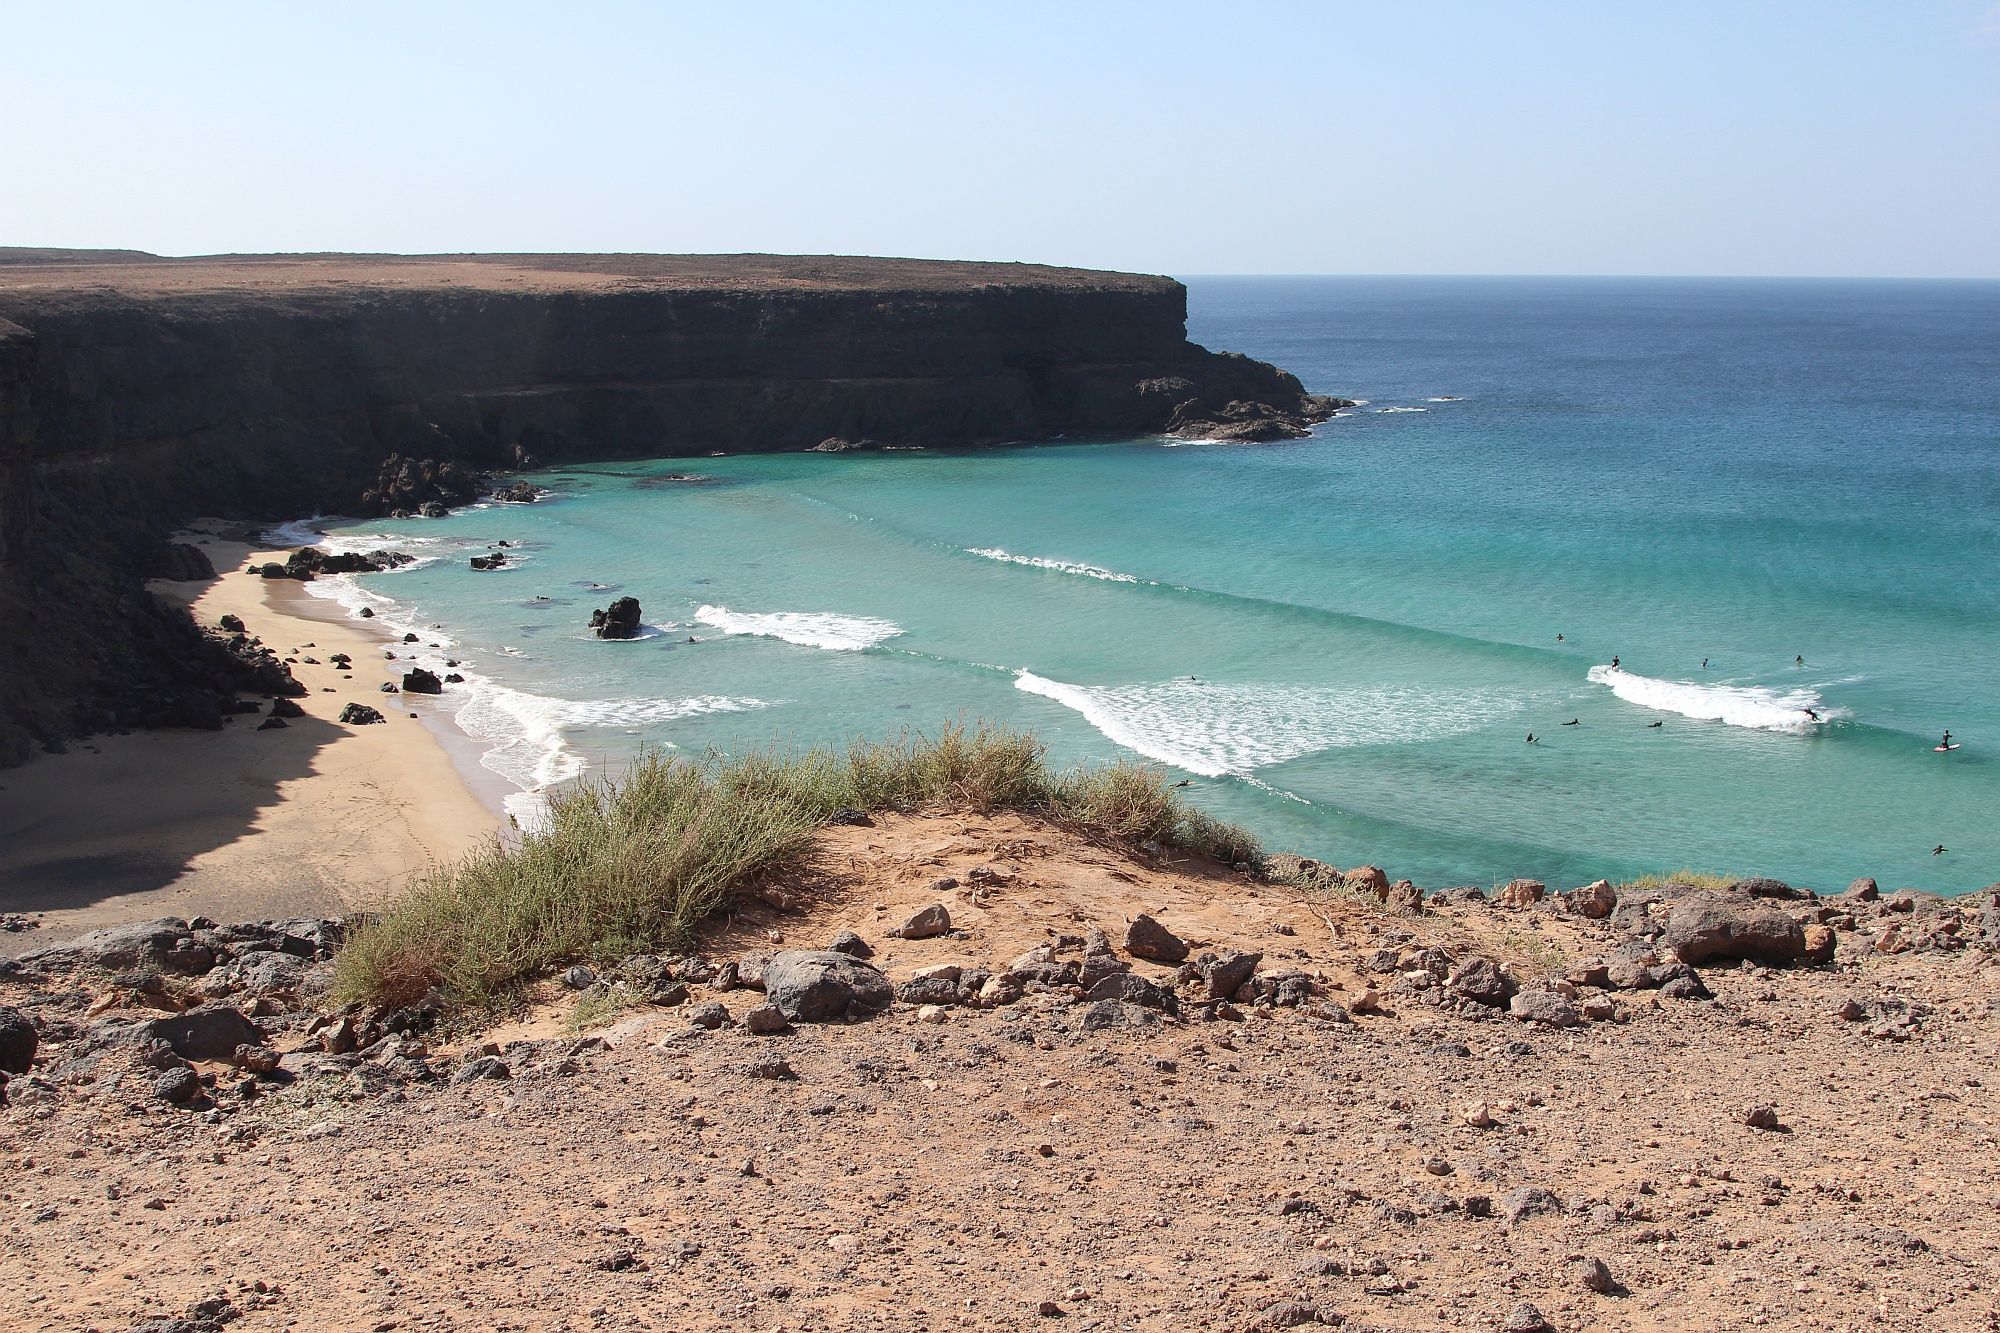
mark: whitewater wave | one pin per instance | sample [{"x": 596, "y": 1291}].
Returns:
[
  {"x": 1752, "y": 706},
  {"x": 1219, "y": 730},
  {"x": 1058, "y": 566},
  {"x": 809, "y": 629},
  {"x": 526, "y": 734},
  {"x": 1445, "y": 398},
  {"x": 1390, "y": 411}
]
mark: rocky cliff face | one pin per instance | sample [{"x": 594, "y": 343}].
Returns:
[{"x": 137, "y": 392}]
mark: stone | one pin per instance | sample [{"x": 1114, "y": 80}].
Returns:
[
  {"x": 1525, "y": 1318},
  {"x": 1594, "y": 901},
  {"x": 360, "y": 715},
  {"x": 1131, "y": 988},
  {"x": 1148, "y": 939},
  {"x": 926, "y": 923},
  {"x": 1592, "y": 1274},
  {"x": 1529, "y": 1201},
  {"x": 212, "y": 1032},
  {"x": 1862, "y": 891},
  {"x": 482, "y": 1067},
  {"x": 818, "y": 986},
  {"x": 1544, "y": 1006},
  {"x": 1714, "y": 928},
  {"x": 932, "y": 1013},
  {"x": 1288, "y": 1314},
  {"x": 766, "y": 1020},
  {"x": 1762, "y": 1116},
  {"x": 928, "y": 990},
  {"x": 709, "y": 1016},
  {"x": 1521, "y": 893},
  {"x": 579, "y": 977},
  {"x": 1224, "y": 973},
  {"x": 255, "y": 1059},
  {"x": 1095, "y": 967},
  {"x": 1478, "y": 1115},
  {"x": 1820, "y": 943},
  {"x": 1107, "y": 1014},
  {"x": 851, "y": 944},
  {"x": 419, "y": 681},
  {"x": 167, "y": 944},
  {"x": 772, "y": 1067},
  {"x": 19, "y": 1040},
  {"x": 620, "y": 620},
  {"x": 177, "y": 1087},
  {"x": 1479, "y": 978},
  {"x": 497, "y": 560},
  {"x": 1367, "y": 879}
]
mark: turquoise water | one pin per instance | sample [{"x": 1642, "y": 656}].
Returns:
[{"x": 1344, "y": 641}]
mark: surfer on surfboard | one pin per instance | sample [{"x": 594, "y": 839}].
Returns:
[{"x": 1946, "y": 744}]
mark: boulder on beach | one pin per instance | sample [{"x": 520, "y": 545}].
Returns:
[
  {"x": 359, "y": 715},
  {"x": 419, "y": 681},
  {"x": 1721, "y": 928}
]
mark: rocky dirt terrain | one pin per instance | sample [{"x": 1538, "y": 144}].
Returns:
[{"x": 1037, "y": 1081}]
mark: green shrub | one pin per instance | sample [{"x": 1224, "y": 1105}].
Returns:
[
  {"x": 635, "y": 862},
  {"x": 1700, "y": 879}
]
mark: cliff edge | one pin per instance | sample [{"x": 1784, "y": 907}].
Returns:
[{"x": 137, "y": 392}]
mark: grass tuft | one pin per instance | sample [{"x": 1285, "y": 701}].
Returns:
[
  {"x": 634, "y": 863},
  {"x": 1700, "y": 879}
]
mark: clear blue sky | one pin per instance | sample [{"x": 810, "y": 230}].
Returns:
[{"x": 1391, "y": 136}]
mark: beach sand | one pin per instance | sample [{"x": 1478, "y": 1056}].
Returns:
[{"x": 314, "y": 819}]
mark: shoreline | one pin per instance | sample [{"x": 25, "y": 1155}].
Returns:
[{"x": 316, "y": 819}]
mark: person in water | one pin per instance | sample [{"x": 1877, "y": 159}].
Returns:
[
  {"x": 1800, "y": 660},
  {"x": 1531, "y": 738},
  {"x": 1656, "y": 724},
  {"x": 1945, "y": 744},
  {"x": 1559, "y": 638},
  {"x": 1938, "y": 850},
  {"x": 1185, "y": 782},
  {"x": 1574, "y": 722},
  {"x": 1810, "y": 713},
  {"x": 1614, "y": 661},
  {"x": 1704, "y": 664}
]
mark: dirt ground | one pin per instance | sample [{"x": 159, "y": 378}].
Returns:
[{"x": 1371, "y": 1157}]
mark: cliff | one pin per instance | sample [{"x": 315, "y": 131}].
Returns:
[{"x": 137, "y": 392}]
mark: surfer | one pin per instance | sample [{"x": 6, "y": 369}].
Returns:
[
  {"x": 1810, "y": 713},
  {"x": 1614, "y": 661},
  {"x": 1574, "y": 722},
  {"x": 1656, "y": 724},
  {"x": 1704, "y": 664},
  {"x": 1531, "y": 738},
  {"x": 1800, "y": 660},
  {"x": 1945, "y": 744},
  {"x": 1559, "y": 638},
  {"x": 1185, "y": 782},
  {"x": 1938, "y": 850}
]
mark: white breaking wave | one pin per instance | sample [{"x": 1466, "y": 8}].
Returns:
[
  {"x": 1217, "y": 730},
  {"x": 526, "y": 734},
  {"x": 1388, "y": 411},
  {"x": 1059, "y": 566},
  {"x": 1752, "y": 706},
  {"x": 809, "y": 629}
]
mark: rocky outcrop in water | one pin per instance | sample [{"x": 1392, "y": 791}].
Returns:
[{"x": 618, "y": 621}]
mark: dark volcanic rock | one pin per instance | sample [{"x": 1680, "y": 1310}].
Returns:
[
  {"x": 419, "y": 681},
  {"x": 182, "y": 563},
  {"x": 18, "y": 1041},
  {"x": 817, "y": 986},
  {"x": 167, "y": 944},
  {"x": 1147, "y": 938},
  {"x": 359, "y": 715},
  {"x": 618, "y": 621},
  {"x": 1713, "y": 927},
  {"x": 497, "y": 560},
  {"x": 212, "y": 1032}
]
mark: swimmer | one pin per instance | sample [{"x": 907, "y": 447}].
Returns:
[
  {"x": 1704, "y": 664},
  {"x": 1938, "y": 850},
  {"x": 1800, "y": 660},
  {"x": 1559, "y": 638}
]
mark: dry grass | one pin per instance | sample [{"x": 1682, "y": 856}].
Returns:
[
  {"x": 634, "y": 863},
  {"x": 1700, "y": 879}
]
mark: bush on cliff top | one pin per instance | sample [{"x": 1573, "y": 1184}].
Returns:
[{"x": 635, "y": 862}]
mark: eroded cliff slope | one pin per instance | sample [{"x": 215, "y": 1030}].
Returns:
[{"x": 137, "y": 392}]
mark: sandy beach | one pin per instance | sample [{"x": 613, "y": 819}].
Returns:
[{"x": 317, "y": 818}]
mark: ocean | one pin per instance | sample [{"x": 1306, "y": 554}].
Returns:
[{"x": 1776, "y": 504}]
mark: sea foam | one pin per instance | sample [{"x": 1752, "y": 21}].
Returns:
[
  {"x": 1753, "y": 706},
  {"x": 809, "y": 629},
  {"x": 1230, "y": 729},
  {"x": 1049, "y": 563}
]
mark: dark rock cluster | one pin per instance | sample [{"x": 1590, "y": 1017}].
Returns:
[{"x": 406, "y": 486}]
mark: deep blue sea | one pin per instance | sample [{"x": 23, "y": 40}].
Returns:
[{"x": 1760, "y": 497}]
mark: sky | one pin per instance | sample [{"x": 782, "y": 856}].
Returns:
[{"x": 1777, "y": 137}]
